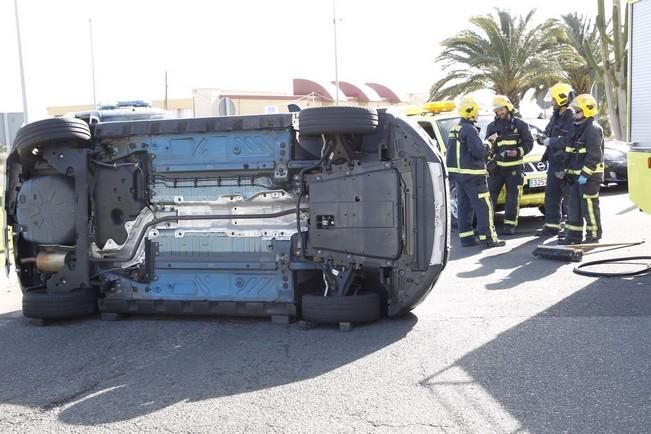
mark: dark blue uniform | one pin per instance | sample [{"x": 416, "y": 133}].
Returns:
[
  {"x": 586, "y": 157},
  {"x": 466, "y": 161},
  {"x": 559, "y": 132},
  {"x": 513, "y": 134}
]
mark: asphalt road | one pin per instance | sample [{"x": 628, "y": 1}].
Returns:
[{"x": 505, "y": 343}]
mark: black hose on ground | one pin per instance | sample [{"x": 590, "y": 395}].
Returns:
[{"x": 579, "y": 269}]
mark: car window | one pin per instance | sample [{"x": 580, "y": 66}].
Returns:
[
  {"x": 482, "y": 124},
  {"x": 428, "y": 129},
  {"x": 445, "y": 125}
]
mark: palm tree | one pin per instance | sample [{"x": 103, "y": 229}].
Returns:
[
  {"x": 581, "y": 34},
  {"x": 504, "y": 53}
]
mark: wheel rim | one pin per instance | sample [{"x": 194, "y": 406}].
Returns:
[{"x": 454, "y": 211}]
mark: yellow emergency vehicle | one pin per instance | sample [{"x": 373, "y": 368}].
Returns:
[
  {"x": 639, "y": 95},
  {"x": 438, "y": 117}
]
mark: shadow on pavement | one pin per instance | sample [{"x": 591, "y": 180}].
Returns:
[
  {"x": 521, "y": 260},
  {"x": 100, "y": 372},
  {"x": 528, "y": 226},
  {"x": 517, "y": 258},
  {"x": 580, "y": 366}
]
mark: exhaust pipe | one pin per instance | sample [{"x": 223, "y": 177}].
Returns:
[{"x": 50, "y": 262}]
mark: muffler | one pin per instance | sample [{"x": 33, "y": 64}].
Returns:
[{"x": 48, "y": 261}]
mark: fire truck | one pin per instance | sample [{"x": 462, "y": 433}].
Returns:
[{"x": 639, "y": 97}]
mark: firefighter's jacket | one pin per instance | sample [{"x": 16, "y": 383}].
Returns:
[
  {"x": 559, "y": 132},
  {"x": 512, "y": 135},
  {"x": 586, "y": 151},
  {"x": 466, "y": 152}
]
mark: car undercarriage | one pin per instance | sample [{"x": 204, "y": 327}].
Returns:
[{"x": 334, "y": 214}]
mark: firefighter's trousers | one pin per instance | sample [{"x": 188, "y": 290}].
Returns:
[
  {"x": 513, "y": 178},
  {"x": 555, "y": 199},
  {"x": 583, "y": 205},
  {"x": 473, "y": 198}
]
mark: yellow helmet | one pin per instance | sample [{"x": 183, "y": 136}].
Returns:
[
  {"x": 587, "y": 104},
  {"x": 502, "y": 101},
  {"x": 469, "y": 108},
  {"x": 562, "y": 93}
]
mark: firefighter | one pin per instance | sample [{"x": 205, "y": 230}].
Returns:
[
  {"x": 466, "y": 161},
  {"x": 512, "y": 143},
  {"x": 557, "y": 136},
  {"x": 585, "y": 173}
]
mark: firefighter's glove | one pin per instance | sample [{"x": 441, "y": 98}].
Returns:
[{"x": 583, "y": 179}]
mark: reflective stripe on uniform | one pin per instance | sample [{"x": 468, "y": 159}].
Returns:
[
  {"x": 491, "y": 224},
  {"x": 574, "y": 228},
  {"x": 552, "y": 225},
  {"x": 573, "y": 172},
  {"x": 510, "y": 163},
  {"x": 482, "y": 237},
  {"x": 517, "y": 204},
  {"x": 507, "y": 142},
  {"x": 574, "y": 150},
  {"x": 598, "y": 169},
  {"x": 593, "y": 220},
  {"x": 591, "y": 196},
  {"x": 467, "y": 171},
  {"x": 466, "y": 234},
  {"x": 510, "y": 222},
  {"x": 458, "y": 153}
]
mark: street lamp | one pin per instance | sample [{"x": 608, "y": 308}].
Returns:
[
  {"x": 20, "y": 61},
  {"x": 334, "y": 23},
  {"x": 92, "y": 60}
]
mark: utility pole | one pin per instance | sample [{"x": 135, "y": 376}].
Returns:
[
  {"x": 334, "y": 23},
  {"x": 20, "y": 60},
  {"x": 92, "y": 60},
  {"x": 165, "y": 101}
]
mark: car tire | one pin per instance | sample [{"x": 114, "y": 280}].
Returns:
[
  {"x": 337, "y": 120},
  {"x": 454, "y": 205},
  {"x": 47, "y": 305},
  {"x": 364, "y": 307},
  {"x": 50, "y": 131}
]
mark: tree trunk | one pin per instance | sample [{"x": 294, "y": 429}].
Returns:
[
  {"x": 614, "y": 53},
  {"x": 622, "y": 105}
]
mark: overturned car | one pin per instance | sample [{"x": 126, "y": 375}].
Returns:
[{"x": 332, "y": 214}]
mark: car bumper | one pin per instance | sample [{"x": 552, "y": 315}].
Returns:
[{"x": 616, "y": 172}]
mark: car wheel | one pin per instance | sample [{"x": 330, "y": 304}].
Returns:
[
  {"x": 50, "y": 131},
  {"x": 454, "y": 205},
  {"x": 364, "y": 307},
  {"x": 47, "y": 305},
  {"x": 337, "y": 120}
]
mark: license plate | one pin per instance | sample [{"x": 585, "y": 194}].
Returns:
[{"x": 537, "y": 182}]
